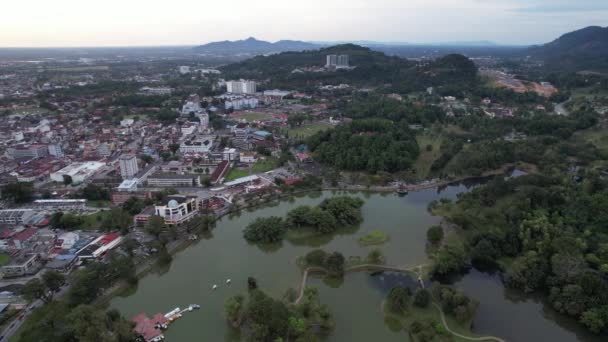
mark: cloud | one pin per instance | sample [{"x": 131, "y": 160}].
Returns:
[{"x": 563, "y": 8}]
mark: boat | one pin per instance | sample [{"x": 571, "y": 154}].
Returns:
[
  {"x": 402, "y": 190},
  {"x": 194, "y": 306},
  {"x": 228, "y": 281},
  {"x": 214, "y": 286}
]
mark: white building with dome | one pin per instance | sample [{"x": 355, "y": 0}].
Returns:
[{"x": 179, "y": 209}]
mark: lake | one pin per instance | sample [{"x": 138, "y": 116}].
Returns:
[{"x": 355, "y": 301}]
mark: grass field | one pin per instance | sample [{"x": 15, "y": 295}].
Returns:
[
  {"x": 259, "y": 167},
  {"x": 93, "y": 221},
  {"x": 375, "y": 237},
  {"x": 253, "y": 116},
  {"x": 426, "y": 158},
  {"x": 307, "y": 130},
  {"x": 4, "y": 259}
]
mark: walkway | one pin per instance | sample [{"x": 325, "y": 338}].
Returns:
[
  {"x": 482, "y": 338},
  {"x": 359, "y": 268}
]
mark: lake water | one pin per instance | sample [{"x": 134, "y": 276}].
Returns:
[{"x": 355, "y": 302}]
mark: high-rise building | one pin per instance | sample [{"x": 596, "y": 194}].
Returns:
[
  {"x": 128, "y": 166},
  {"x": 56, "y": 150},
  {"x": 241, "y": 87},
  {"x": 337, "y": 61},
  {"x": 204, "y": 118}
]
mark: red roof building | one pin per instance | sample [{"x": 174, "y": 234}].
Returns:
[{"x": 148, "y": 328}]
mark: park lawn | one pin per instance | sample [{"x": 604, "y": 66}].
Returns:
[
  {"x": 99, "y": 204},
  {"x": 425, "y": 160},
  {"x": 236, "y": 173},
  {"x": 4, "y": 259},
  {"x": 264, "y": 165},
  {"x": 307, "y": 130},
  {"x": 254, "y": 116},
  {"x": 375, "y": 237},
  {"x": 93, "y": 221}
]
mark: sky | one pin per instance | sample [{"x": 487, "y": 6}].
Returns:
[{"x": 64, "y": 23}]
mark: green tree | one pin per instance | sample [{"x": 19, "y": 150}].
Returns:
[
  {"x": 266, "y": 230},
  {"x": 422, "y": 298},
  {"x": 399, "y": 299},
  {"x": 155, "y": 225},
  {"x": 435, "y": 234}
]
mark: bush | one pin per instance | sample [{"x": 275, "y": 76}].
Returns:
[
  {"x": 422, "y": 298},
  {"x": 435, "y": 234}
]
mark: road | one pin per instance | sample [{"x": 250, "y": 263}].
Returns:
[{"x": 17, "y": 322}]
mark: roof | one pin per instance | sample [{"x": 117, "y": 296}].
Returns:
[
  {"x": 145, "y": 326},
  {"x": 25, "y": 234},
  {"x": 242, "y": 180}
]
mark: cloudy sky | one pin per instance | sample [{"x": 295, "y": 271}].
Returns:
[{"x": 188, "y": 22}]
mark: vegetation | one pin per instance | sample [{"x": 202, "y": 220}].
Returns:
[
  {"x": 370, "y": 145},
  {"x": 266, "y": 230},
  {"x": 263, "y": 318},
  {"x": 332, "y": 262},
  {"x": 434, "y": 235},
  {"x": 375, "y": 237},
  {"x": 551, "y": 228}
]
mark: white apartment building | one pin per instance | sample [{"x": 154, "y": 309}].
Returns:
[
  {"x": 241, "y": 87},
  {"x": 178, "y": 209},
  {"x": 128, "y": 166}
]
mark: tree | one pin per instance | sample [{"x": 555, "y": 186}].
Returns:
[
  {"x": 67, "y": 180},
  {"x": 422, "y": 298},
  {"x": 252, "y": 283},
  {"x": 35, "y": 289},
  {"x": 19, "y": 192},
  {"x": 234, "y": 309},
  {"x": 375, "y": 256},
  {"x": 434, "y": 235},
  {"x": 53, "y": 281},
  {"x": 316, "y": 257},
  {"x": 399, "y": 299},
  {"x": 335, "y": 264},
  {"x": 155, "y": 225},
  {"x": 528, "y": 272},
  {"x": 451, "y": 258},
  {"x": 266, "y": 230}
]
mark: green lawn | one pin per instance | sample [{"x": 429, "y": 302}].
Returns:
[
  {"x": 375, "y": 237},
  {"x": 259, "y": 167},
  {"x": 425, "y": 160},
  {"x": 597, "y": 137},
  {"x": 254, "y": 116},
  {"x": 4, "y": 259},
  {"x": 307, "y": 130},
  {"x": 93, "y": 221},
  {"x": 236, "y": 173}
]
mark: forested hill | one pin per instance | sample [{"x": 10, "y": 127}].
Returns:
[
  {"x": 372, "y": 68},
  {"x": 585, "y": 49}
]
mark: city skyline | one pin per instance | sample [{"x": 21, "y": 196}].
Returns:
[{"x": 67, "y": 23}]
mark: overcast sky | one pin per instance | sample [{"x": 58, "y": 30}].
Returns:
[{"x": 189, "y": 22}]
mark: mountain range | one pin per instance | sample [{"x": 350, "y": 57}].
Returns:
[
  {"x": 586, "y": 48},
  {"x": 254, "y": 46}
]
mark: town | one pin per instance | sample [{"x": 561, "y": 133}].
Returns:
[{"x": 120, "y": 160}]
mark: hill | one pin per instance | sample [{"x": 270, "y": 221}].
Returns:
[
  {"x": 371, "y": 68},
  {"x": 585, "y": 49},
  {"x": 253, "y": 46}
]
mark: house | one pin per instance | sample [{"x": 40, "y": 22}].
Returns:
[
  {"x": 178, "y": 209},
  {"x": 26, "y": 264},
  {"x": 150, "y": 328}
]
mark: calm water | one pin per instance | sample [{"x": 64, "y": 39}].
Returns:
[{"x": 355, "y": 302}]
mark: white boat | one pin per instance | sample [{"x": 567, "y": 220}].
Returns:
[
  {"x": 228, "y": 281},
  {"x": 214, "y": 286},
  {"x": 172, "y": 313},
  {"x": 195, "y": 306}
]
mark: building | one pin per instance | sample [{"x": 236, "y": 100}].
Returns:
[
  {"x": 197, "y": 145},
  {"x": 15, "y": 217},
  {"x": 62, "y": 263},
  {"x": 240, "y": 102},
  {"x": 23, "y": 265},
  {"x": 204, "y": 119},
  {"x": 28, "y": 151},
  {"x": 103, "y": 150},
  {"x": 275, "y": 95},
  {"x": 248, "y": 157},
  {"x": 173, "y": 180},
  {"x": 98, "y": 247},
  {"x": 159, "y": 91},
  {"x": 150, "y": 329},
  {"x": 230, "y": 154},
  {"x": 337, "y": 61},
  {"x": 56, "y": 150},
  {"x": 79, "y": 172},
  {"x": 179, "y": 209},
  {"x": 61, "y": 203},
  {"x": 184, "y": 69},
  {"x": 241, "y": 87},
  {"x": 128, "y": 166},
  {"x": 191, "y": 107}
]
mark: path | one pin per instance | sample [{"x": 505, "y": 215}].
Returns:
[
  {"x": 358, "y": 268},
  {"x": 482, "y": 338}
]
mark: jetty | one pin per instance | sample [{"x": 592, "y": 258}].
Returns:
[{"x": 151, "y": 328}]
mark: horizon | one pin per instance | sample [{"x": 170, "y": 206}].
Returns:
[{"x": 68, "y": 24}]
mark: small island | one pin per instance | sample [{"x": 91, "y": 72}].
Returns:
[{"x": 375, "y": 237}]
